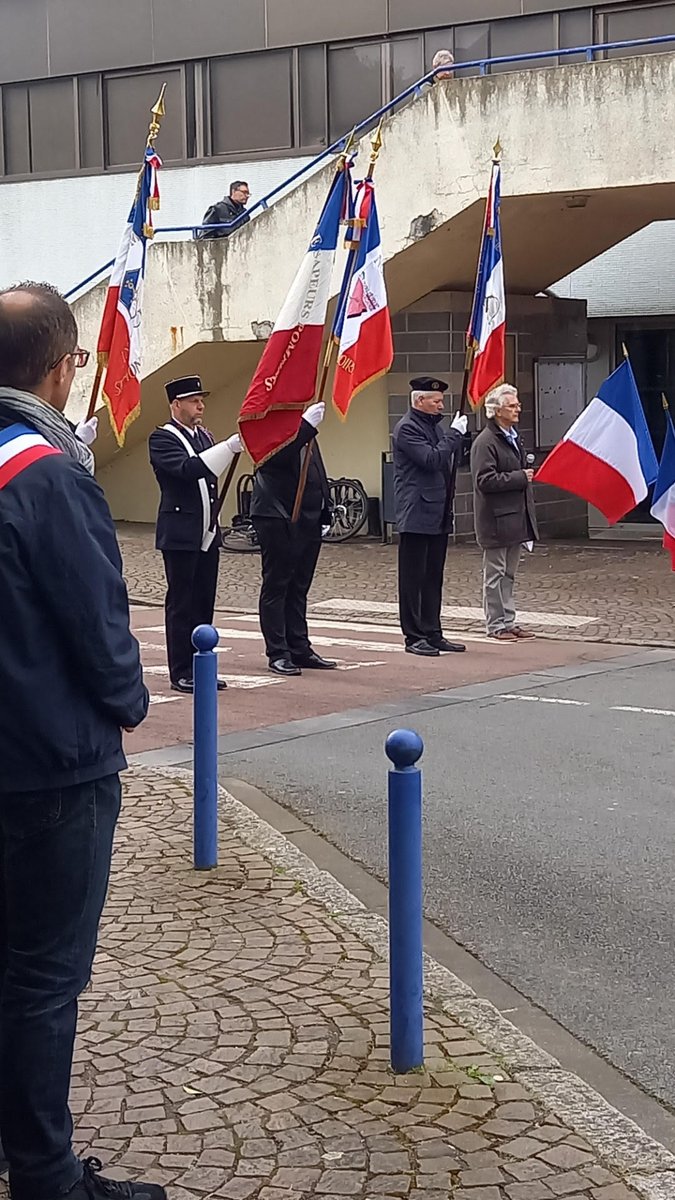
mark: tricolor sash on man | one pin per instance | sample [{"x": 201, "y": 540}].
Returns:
[
  {"x": 363, "y": 325},
  {"x": 487, "y": 326},
  {"x": 663, "y": 499},
  {"x": 285, "y": 379},
  {"x": 119, "y": 342},
  {"x": 607, "y": 456}
]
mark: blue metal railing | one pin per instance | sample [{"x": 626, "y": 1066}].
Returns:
[{"x": 482, "y": 65}]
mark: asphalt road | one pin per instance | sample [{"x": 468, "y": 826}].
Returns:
[{"x": 549, "y": 841}]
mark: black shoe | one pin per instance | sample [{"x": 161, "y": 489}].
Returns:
[
  {"x": 221, "y": 685},
  {"x": 284, "y": 666},
  {"x": 93, "y": 1186},
  {"x": 423, "y": 648},
  {"x": 314, "y": 662},
  {"x": 182, "y": 685},
  {"x": 447, "y": 647}
]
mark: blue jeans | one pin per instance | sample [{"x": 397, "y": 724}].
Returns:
[{"x": 55, "y": 852}]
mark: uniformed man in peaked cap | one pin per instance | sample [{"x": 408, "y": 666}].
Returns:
[
  {"x": 187, "y": 463},
  {"x": 424, "y": 455}
]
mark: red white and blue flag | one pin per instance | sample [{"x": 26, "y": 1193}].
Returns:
[
  {"x": 663, "y": 500},
  {"x": 363, "y": 325},
  {"x": 487, "y": 326},
  {"x": 286, "y": 376},
  {"x": 607, "y": 456},
  {"x": 119, "y": 342},
  {"x": 20, "y": 447}
]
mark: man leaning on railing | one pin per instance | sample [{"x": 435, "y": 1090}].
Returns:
[{"x": 226, "y": 211}]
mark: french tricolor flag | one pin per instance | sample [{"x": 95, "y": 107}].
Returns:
[
  {"x": 366, "y": 348},
  {"x": 663, "y": 500},
  {"x": 119, "y": 341},
  {"x": 286, "y": 376},
  {"x": 487, "y": 326},
  {"x": 607, "y": 456}
]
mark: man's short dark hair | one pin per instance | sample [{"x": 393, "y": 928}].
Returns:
[
  {"x": 33, "y": 337},
  {"x": 237, "y": 184}
]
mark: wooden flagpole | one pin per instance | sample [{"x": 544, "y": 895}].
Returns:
[
  {"x": 158, "y": 111},
  {"x": 332, "y": 344}
]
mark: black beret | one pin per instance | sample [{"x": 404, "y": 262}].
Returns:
[
  {"x": 180, "y": 389},
  {"x": 427, "y": 383}
]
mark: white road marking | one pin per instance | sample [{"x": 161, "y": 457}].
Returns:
[
  {"x": 163, "y": 699},
  {"x": 652, "y": 712},
  {"x": 466, "y": 613},
  {"x": 233, "y": 681},
  {"x": 544, "y": 699}
]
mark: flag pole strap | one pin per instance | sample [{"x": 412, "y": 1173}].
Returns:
[{"x": 332, "y": 345}]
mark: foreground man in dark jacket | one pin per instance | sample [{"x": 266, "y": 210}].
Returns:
[
  {"x": 290, "y": 550},
  {"x": 424, "y": 455},
  {"x": 503, "y": 508},
  {"x": 70, "y": 682}
]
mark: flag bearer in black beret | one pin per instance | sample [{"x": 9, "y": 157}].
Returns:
[
  {"x": 424, "y": 454},
  {"x": 187, "y": 464}
]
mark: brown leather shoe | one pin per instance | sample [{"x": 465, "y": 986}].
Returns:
[
  {"x": 522, "y": 633},
  {"x": 503, "y": 635}
]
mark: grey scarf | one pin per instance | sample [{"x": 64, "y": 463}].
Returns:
[{"x": 30, "y": 410}]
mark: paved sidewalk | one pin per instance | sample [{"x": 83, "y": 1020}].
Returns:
[
  {"x": 235, "y": 1044},
  {"x": 622, "y": 591}
]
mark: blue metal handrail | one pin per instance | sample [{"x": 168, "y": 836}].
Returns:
[{"x": 480, "y": 64}]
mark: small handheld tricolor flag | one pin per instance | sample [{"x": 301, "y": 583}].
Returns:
[
  {"x": 119, "y": 341},
  {"x": 363, "y": 328},
  {"x": 285, "y": 379},
  {"x": 663, "y": 500},
  {"x": 607, "y": 456},
  {"x": 486, "y": 334}
]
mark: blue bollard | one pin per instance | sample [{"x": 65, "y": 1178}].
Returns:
[
  {"x": 406, "y": 1019},
  {"x": 205, "y": 674}
]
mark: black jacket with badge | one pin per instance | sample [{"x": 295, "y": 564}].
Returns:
[
  {"x": 223, "y": 213},
  {"x": 423, "y": 473},
  {"x": 503, "y": 502},
  {"x": 276, "y": 482},
  {"x": 182, "y": 505}
]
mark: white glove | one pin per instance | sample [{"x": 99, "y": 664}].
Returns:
[
  {"x": 235, "y": 443},
  {"x": 219, "y": 457},
  {"x": 87, "y": 431},
  {"x": 315, "y": 414},
  {"x": 460, "y": 422}
]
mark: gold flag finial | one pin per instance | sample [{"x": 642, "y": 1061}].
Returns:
[
  {"x": 664, "y": 401},
  {"x": 158, "y": 111},
  {"x": 497, "y": 150},
  {"x": 624, "y": 350},
  {"x": 376, "y": 144}
]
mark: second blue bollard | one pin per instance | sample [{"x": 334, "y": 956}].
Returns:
[
  {"x": 404, "y": 748},
  {"x": 205, "y": 675}
]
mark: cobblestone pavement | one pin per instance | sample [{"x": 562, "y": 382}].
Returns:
[
  {"x": 235, "y": 1043},
  {"x": 626, "y": 588}
]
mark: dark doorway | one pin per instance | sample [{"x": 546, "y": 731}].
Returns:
[{"x": 652, "y": 354}]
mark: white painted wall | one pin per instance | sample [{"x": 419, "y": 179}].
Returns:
[
  {"x": 63, "y": 229},
  {"x": 636, "y": 278}
]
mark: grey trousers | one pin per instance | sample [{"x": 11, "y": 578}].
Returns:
[{"x": 499, "y": 575}]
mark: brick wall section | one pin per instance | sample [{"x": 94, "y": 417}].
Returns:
[{"x": 429, "y": 339}]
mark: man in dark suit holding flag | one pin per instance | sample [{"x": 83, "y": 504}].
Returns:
[{"x": 187, "y": 464}]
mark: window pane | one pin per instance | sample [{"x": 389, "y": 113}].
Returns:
[
  {"x": 471, "y": 42},
  {"x": 52, "y": 125},
  {"x": 523, "y": 35},
  {"x": 312, "y": 99},
  {"x": 576, "y": 29},
  {"x": 407, "y": 63},
  {"x": 437, "y": 39},
  {"x": 629, "y": 23},
  {"x": 17, "y": 137},
  {"x": 128, "y": 100},
  {"x": 354, "y": 86},
  {"x": 251, "y": 102},
  {"x": 91, "y": 121}
]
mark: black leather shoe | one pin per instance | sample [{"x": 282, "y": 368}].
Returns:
[
  {"x": 447, "y": 647},
  {"x": 423, "y": 648},
  {"x": 284, "y": 666},
  {"x": 221, "y": 685},
  {"x": 182, "y": 685},
  {"x": 314, "y": 662}
]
